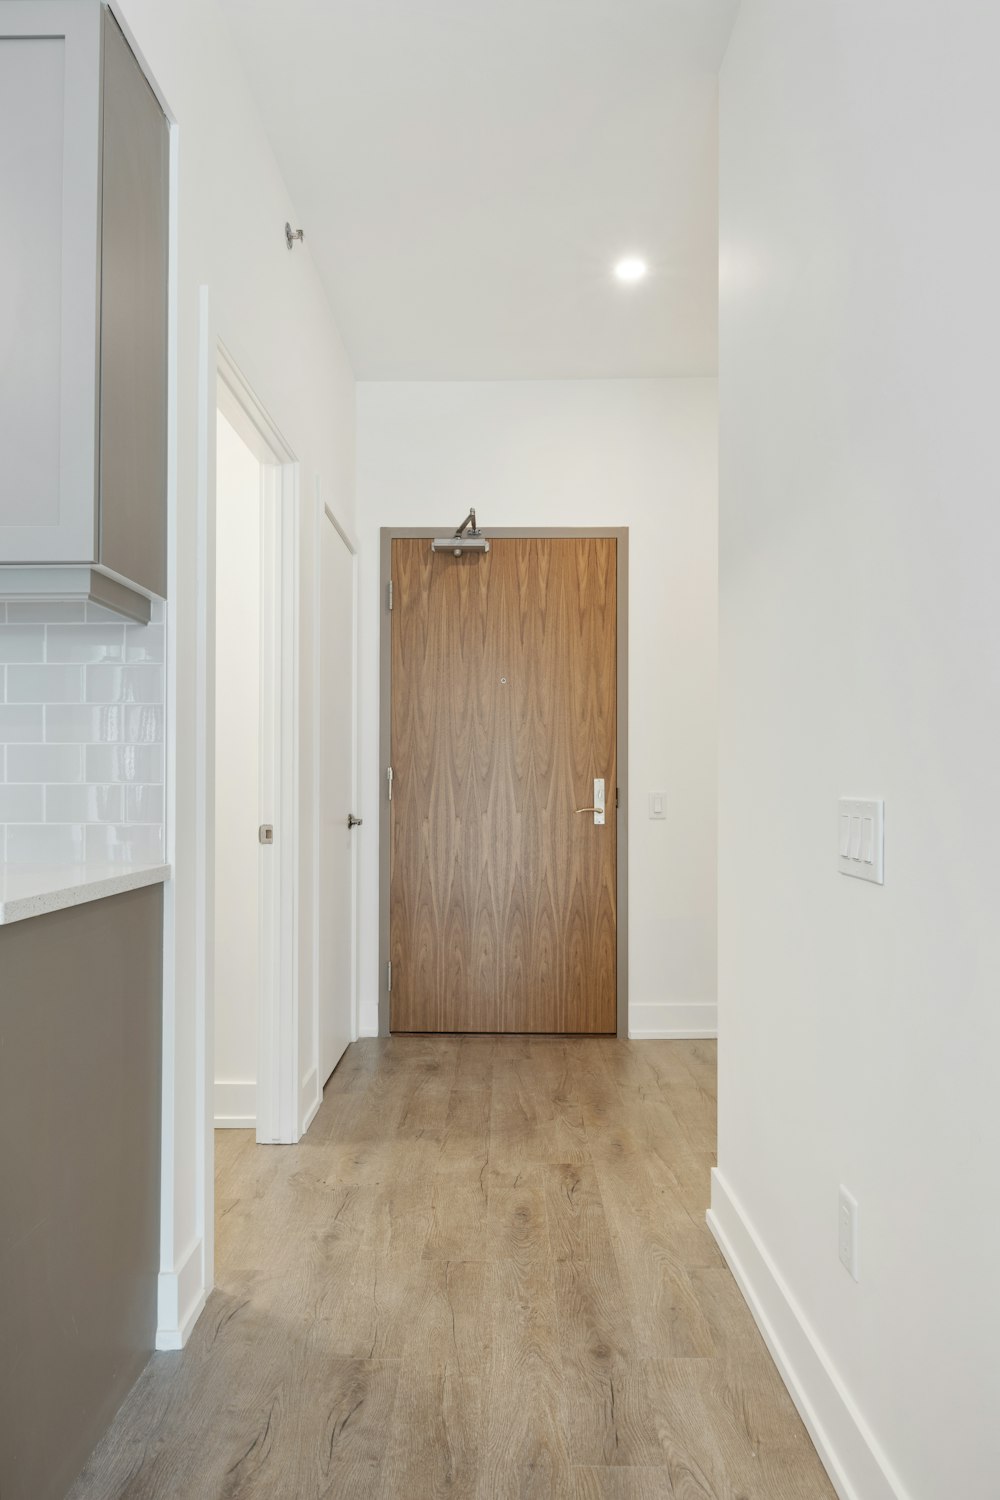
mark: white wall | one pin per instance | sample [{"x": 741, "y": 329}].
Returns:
[
  {"x": 860, "y": 625},
  {"x": 559, "y": 453},
  {"x": 268, "y": 306},
  {"x": 237, "y": 761}
]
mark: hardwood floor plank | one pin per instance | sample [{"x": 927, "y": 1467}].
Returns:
[
  {"x": 484, "y": 1274},
  {"x": 524, "y": 1450},
  {"x": 434, "y": 1440},
  {"x": 663, "y": 1303},
  {"x": 532, "y": 1120},
  {"x": 577, "y": 1223},
  {"x": 622, "y": 1484},
  {"x": 608, "y": 1418},
  {"x": 517, "y": 1226},
  {"x": 725, "y": 1427}
]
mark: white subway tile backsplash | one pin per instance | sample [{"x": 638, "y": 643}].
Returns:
[
  {"x": 84, "y": 723},
  {"x": 22, "y": 643},
  {"x": 44, "y": 763},
  {"x": 143, "y": 804},
  {"x": 143, "y": 723},
  {"x": 85, "y": 804},
  {"x": 44, "y": 611},
  {"x": 44, "y": 684},
  {"x": 85, "y": 643},
  {"x": 124, "y": 844},
  {"x": 45, "y": 843},
  {"x": 138, "y": 684},
  {"x": 21, "y": 804},
  {"x": 81, "y": 734},
  {"x": 21, "y": 721},
  {"x": 144, "y": 643},
  {"x": 124, "y": 763}
]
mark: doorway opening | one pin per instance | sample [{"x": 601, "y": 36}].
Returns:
[{"x": 251, "y": 953}]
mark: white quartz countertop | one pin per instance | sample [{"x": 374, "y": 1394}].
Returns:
[{"x": 33, "y": 890}]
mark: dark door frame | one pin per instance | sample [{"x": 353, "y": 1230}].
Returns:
[{"x": 387, "y": 534}]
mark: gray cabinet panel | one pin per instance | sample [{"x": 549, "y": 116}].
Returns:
[
  {"x": 133, "y": 466},
  {"x": 84, "y": 186},
  {"x": 49, "y": 196},
  {"x": 79, "y": 1178}
]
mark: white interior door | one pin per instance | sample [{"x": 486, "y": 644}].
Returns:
[{"x": 336, "y": 776}]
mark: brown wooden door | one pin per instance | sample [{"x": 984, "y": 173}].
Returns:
[{"x": 502, "y": 896}]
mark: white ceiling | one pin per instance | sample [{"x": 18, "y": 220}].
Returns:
[{"x": 467, "y": 171}]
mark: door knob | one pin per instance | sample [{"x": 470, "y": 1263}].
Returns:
[{"x": 353, "y": 822}]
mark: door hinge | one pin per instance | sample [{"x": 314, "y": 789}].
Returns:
[
  {"x": 616, "y": 799},
  {"x": 388, "y": 777},
  {"x": 388, "y": 976},
  {"x": 390, "y": 593}
]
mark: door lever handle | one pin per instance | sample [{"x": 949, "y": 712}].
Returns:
[
  {"x": 353, "y": 822},
  {"x": 598, "y": 804}
]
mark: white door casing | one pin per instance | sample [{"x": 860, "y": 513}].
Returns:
[
  {"x": 337, "y": 844},
  {"x": 277, "y": 1019}
]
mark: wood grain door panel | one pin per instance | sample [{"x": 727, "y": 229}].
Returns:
[{"x": 502, "y": 897}]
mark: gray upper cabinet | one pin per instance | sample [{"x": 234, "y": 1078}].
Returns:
[{"x": 83, "y": 309}]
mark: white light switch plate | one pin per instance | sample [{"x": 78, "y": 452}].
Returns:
[
  {"x": 861, "y": 838},
  {"x": 657, "y": 804}
]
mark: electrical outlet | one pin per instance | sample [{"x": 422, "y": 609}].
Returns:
[{"x": 849, "y": 1232}]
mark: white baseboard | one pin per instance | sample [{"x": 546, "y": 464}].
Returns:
[
  {"x": 235, "y": 1106},
  {"x": 662, "y": 1019},
  {"x": 181, "y": 1296},
  {"x": 849, "y": 1451},
  {"x": 310, "y": 1099}
]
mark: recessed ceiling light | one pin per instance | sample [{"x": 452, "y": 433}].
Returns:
[{"x": 631, "y": 268}]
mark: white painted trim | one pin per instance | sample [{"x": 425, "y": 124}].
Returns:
[
  {"x": 672, "y": 1034},
  {"x": 355, "y": 779},
  {"x": 310, "y": 1098},
  {"x": 277, "y": 1098},
  {"x": 181, "y": 1295},
  {"x": 168, "y": 1119},
  {"x": 204, "y": 794},
  {"x": 309, "y": 1107},
  {"x": 674, "y": 1022},
  {"x": 324, "y": 514},
  {"x": 235, "y": 1105},
  {"x": 849, "y": 1450}
]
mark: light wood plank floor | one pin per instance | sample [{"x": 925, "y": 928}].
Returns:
[{"x": 484, "y": 1272}]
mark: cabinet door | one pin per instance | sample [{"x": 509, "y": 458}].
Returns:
[
  {"x": 49, "y": 196},
  {"x": 133, "y": 507}
]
